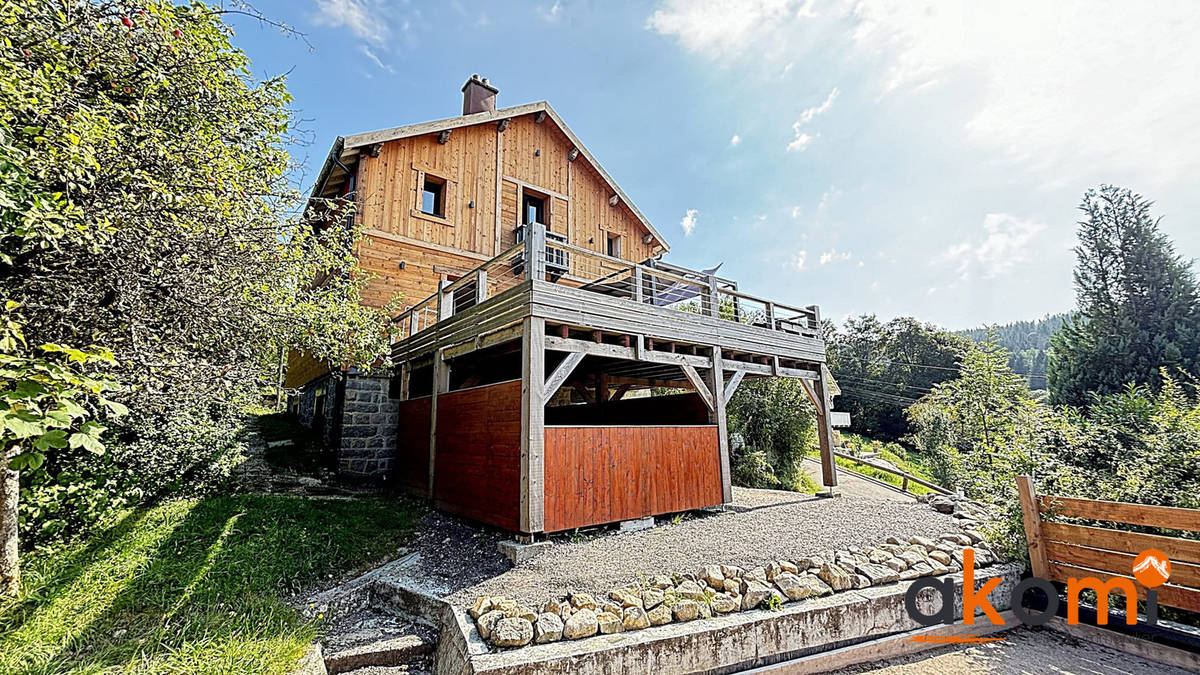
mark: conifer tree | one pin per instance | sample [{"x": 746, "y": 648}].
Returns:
[{"x": 1138, "y": 303}]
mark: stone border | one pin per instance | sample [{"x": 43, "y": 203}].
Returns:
[{"x": 724, "y": 644}]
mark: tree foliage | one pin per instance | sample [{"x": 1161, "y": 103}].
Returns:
[
  {"x": 881, "y": 368},
  {"x": 1139, "y": 304},
  {"x": 147, "y": 205},
  {"x": 774, "y": 421},
  {"x": 1027, "y": 342}
]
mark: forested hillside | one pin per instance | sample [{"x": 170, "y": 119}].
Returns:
[{"x": 1027, "y": 343}]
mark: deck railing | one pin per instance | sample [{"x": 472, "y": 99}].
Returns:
[{"x": 653, "y": 283}]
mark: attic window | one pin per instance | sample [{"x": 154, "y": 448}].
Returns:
[
  {"x": 614, "y": 245},
  {"x": 433, "y": 196}
]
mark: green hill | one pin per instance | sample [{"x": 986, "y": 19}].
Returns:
[{"x": 1027, "y": 343}]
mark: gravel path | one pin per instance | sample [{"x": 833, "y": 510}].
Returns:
[
  {"x": 851, "y": 485},
  {"x": 1027, "y": 650},
  {"x": 762, "y": 526}
]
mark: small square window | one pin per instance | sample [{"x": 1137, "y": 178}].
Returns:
[
  {"x": 433, "y": 197},
  {"x": 614, "y": 245}
]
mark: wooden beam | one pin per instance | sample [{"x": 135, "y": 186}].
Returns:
[
  {"x": 732, "y": 385},
  {"x": 561, "y": 373},
  {"x": 533, "y": 433},
  {"x": 441, "y": 384},
  {"x": 583, "y": 392},
  {"x": 813, "y": 397},
  {"x": 1038, "y": 562},
  {"x": 620, "y": 392},
  {"x": 825, "y": 429},
  {"x": 622, "y": 352},
  {"x": 716, "y": 376},
  {"x": 700, "y": 387},
  {"x": 405, "y": 376},
  {"x": 483, "y": 342}
]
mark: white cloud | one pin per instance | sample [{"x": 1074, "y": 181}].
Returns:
[
  {"x": 1057, "y": 87},
  {"x": 833, "y": 255},
  {"x": 798, "y": 259},
  {"x": 828, "y": 198},
  {"x": 554, "y": 13},
  {"x": 719, "y": 27},
  {"x": 688, "y": 223},
  {"x": 1007, "y": 241},
  {"x": 810, "y": 113},
  {"x": 796, "y": 211},
  {"x": 375, "y": 58},
  {"x": 364, "y": 19},
  {"x": 735, "y": 141},
  {"x": 801, "y": 141}
]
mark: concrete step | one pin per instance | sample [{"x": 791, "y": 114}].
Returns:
[
  {"x": 406, "y": 669},
  {"x": 395, "y": 652}
]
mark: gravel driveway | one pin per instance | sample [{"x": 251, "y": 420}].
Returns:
[{"x": 760, "y": 526}]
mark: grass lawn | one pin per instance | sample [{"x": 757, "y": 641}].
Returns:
[
  {"x": 193, "y": 586},
  {"x": 906, "y": 461}
]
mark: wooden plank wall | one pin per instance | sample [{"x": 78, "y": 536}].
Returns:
[
  {"x": 302, "y": 369},
  {"x": 477, "y": 468},
  {"x": 680, "y": 409},
  {"x": 600, "y": 475},
  {"x": 412, "y": 446}
]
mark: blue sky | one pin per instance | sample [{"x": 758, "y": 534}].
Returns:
[{"x": 908, "y": 158}]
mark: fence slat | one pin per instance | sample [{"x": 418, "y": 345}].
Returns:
[
  {"x": 1182, "y": 550},
  {"x": 1169, "y": 595},
  {"x": 1033, "y": 527},
  {"x": 1182, "y": 574},
  {"x": 1168, "y": 517}
]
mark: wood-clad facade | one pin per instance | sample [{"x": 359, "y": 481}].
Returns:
[{"x": 537, "y": 329}]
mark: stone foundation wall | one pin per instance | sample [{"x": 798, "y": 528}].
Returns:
[{"x": 367, "y": 450}]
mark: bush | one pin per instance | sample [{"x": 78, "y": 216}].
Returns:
[{"x": 752, "y": 469}]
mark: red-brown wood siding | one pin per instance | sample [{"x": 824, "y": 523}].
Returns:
[
  {"x": 597, "y": 475},
  {"x": 412, "y": 446},
  {"x": 477, "y": 469}
]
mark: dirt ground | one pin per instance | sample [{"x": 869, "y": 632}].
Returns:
[{"x": 1026, "y": 650}]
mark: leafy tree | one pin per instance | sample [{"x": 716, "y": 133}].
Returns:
[
  {"x": 1139, "y": 304},
  {"x": 775, "y": 420},
  {"x": 147, "y": 205},
  {"x": 882, "y": 368},
  {"x": 1027, "y": 343}
]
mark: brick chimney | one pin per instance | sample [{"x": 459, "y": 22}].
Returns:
[{"x": 478, "y": 96}]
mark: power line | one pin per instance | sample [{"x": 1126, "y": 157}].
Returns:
[{"x": 955, "y": 369}]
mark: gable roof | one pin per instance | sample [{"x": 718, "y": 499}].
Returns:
[{"x": 353, "y": 142}]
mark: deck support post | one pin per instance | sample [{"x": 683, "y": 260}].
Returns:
[
  {"x": 405, "y": 376},
  {"x": 825, "y": 428},
  {"x": 533, "y": 431},
  {"x": 441, "y": 384},
  {"x": 716, "y": 385},
  {"x": 481, "y": 283}
]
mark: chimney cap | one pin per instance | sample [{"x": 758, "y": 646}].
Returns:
[{"x": 482, "y": 82}]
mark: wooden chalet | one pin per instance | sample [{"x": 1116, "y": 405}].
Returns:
[{"x": 552, "y": 371}]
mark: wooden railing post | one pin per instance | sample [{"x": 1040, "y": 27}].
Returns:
[
  {"x": 481, "y": 283},
  {"x": 637, "y": 283},
  {"x": 535, "y": 251},
  {"x": 1038, "y": 561},
  {"x": 445, "y": 302},
  {"x": 714, "y": 297},
  {"x": 770, "y": 308}
]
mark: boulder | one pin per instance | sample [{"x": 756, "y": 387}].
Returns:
[
  {"x": 626, "y": 597},
  {"x": 923, "y": 542},
  {"x": 975, "y": 536},
  {"x": 481, "y": 607},
  {"x": 837, "y": 577},
  {"x": 896, "y": 564},
  {"x": 553, "y": 607},
  {"x": 922, "y": 568},
  {"x": 521, "y": 611},
  {"x": 897, "y": 541},
  {"x": 608, "y": 623},
  {"x": 503, "y": 604},
  {"x": 487, "y": 621},
  {"x": 732, "y": 586},
  {"x": 712, "y": 575},
  {"x": 685, "y": 610},
  {"x": 583, "y": 601},
  {"x": 788, "y": 567},
  {"x": 909, "y": 575},
  {"x": 877, "y": 574},
  {"x": 512, "y": 632},
  {"x": 939, "y": 556},
  {"x": 911, "y": 558},
  {"x": 661, "y": 581},
  {"x": 722, "y": 603},
  {"x": 757, "y": 574},
  {"x": 878, "y": 556},
  {"x": 942, "y": 504},
  {"x": 960, "y": 539},
  {"x": 705, "y": 610},
  {"x": 659, "y": 615},
  {"x": 634, "y": 618},
  {"x": 581, "y": 624},
  {"x": 690, "y": 590},
  {"x": 860, "y": 581},
  {"x": 549, "y": 628},
  {"x": 732, "y": 572},
  {"x": 755, "y": 594},
  {"x": 807, "y": 563},
  {"x": 773, "y": 570},
  {"x": 651, "y": 598}
]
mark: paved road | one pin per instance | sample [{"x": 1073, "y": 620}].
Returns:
[
  {"x": 852, "y": 485},
  {"x": 1024, "y": 650}
]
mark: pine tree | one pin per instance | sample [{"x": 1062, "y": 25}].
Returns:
[{"x": 1139, "y": 305}]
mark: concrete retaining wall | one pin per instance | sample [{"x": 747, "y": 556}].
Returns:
[{"x": 724, "y": 644}]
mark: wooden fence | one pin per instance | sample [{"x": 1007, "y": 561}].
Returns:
[
  {"x": 1059, "y": 550},
  {"x": 905, "y": 477}
]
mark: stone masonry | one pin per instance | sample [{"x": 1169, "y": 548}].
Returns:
[{"x": 367, "y": 450}]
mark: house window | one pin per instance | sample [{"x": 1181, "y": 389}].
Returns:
[
  {"x": 614, "y": 245},
  {"x": 433, "y": 196},
  {"x": 534, "y": 208}
]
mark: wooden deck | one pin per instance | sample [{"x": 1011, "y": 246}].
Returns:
[{"x": 579, "y": 327}]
